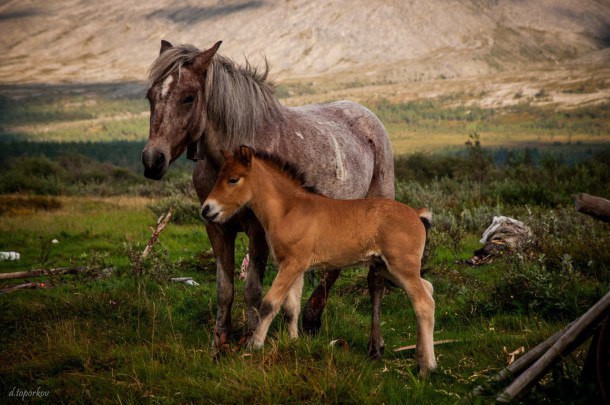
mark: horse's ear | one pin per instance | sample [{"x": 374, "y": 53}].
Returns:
[
  {"x": 203, "y": 60},
  {"x": 245, "y": 155},
  {"x": 165, "y": 45}
]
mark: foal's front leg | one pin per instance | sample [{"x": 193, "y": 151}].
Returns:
[{"x": 290, "y": 271}]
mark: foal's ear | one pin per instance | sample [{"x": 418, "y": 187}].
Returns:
[
  {"x": 203, "y": 60},
  {"x": 226, "y": 154},
  {"x": 165, "y": 45},
  {"x": 245, "y": 155}
]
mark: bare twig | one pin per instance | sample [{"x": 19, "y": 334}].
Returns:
[
  {"x": 161, "y": 223},
  {"x": 438, "y": 342}
]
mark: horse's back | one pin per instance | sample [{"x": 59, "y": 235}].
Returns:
[{"x": 343, "y": 148}]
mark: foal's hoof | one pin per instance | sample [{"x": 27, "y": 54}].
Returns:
[{"x": 424, "y": 372}]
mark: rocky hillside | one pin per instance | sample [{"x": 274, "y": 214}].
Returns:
[{"x": 116, "y": 40}]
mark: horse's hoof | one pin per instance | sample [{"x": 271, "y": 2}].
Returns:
[
  {"x": 312, "y": 326},
  {"x": 375, "y": 353},
  {"x": 217, "y": 352}
]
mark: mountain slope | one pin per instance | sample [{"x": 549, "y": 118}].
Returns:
[{"x": 112, "y": 40}]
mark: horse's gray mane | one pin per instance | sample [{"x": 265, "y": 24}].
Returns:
[{"x": 239, "y": 98}]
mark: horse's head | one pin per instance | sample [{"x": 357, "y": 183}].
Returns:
[
  {"x": 232, "y": 189},
  {"x": 178, "y": 114}
]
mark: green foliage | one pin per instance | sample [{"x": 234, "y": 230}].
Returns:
[{"x": 427, "y": 112}]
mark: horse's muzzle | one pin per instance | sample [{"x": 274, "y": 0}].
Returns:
[{"x": 155, "y": 164}]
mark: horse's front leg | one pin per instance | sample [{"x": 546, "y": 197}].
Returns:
[
  {"x": 253, "y": 288},
  {"x": 376, "y": 287},
  {"x": 223, "y": 245},
  {"x": 312, "y": 313}
]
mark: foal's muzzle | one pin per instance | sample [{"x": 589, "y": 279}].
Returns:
[
  {"x": 209, "y": 213},
  {"x": 155, "y": 163}
]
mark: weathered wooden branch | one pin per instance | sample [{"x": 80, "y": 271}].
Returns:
[
  {"x": 161, "y": 224},
  {"x": 41, "y": 272},
  {"x": 581, "y": 327},
  {"x": 597, "y": 207}
]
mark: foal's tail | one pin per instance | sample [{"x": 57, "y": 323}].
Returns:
[{"x": 425, "y": 215}]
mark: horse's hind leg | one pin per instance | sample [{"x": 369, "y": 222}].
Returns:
[
  {"x": 405, "y": 270},
  {"x": 312, "y": 313},
  {"x": 376, "y": 287},
  {"x": 253, "y": 288},
  {"x": 292, "y": 307}
]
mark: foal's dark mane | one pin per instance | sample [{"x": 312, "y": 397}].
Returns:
[
  {"x": 240, "y": 99},
  {"x": 288, "y": 168}
]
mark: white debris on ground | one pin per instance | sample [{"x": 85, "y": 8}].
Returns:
[
  {"x": 508, "y": 230},
  {"x": 244, "y": 267},
  {"x": 185, "y": 280},
  {"x": 504, "y": 234},
  {"x": 9, "y": 256}
]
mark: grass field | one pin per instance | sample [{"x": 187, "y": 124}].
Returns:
[{"x": 133, "y": 336}]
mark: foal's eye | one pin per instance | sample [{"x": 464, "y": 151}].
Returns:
[
  {"x": 234, "y": 180},
  {"x": 188, "y": 99}
]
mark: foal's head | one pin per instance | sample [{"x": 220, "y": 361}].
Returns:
[
  {"x": 232, "y": 189},
  {"x": 177, "y": 104}
]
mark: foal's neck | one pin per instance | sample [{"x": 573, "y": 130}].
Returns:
[{"x": 275, "y": 193}]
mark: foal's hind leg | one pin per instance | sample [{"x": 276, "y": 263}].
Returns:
[
  {"x": 292, "y": 307},
  {"x": 376, "y": 287},
  {"x": 405, "y": 269}
]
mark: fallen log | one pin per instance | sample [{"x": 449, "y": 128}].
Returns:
[
  {"x": 523, "y": 362},
  {"x": 583, "y": 326},
  {"x": 597, "y": 207}
]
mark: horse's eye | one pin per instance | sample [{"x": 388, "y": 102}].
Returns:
[
  {"x": 188, "y": 100},
  {"x": 234, "y": 180}
]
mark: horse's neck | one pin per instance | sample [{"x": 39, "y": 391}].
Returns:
[
  {"x": 275, "y": 193},
  {"x": 215, "y": 141}
]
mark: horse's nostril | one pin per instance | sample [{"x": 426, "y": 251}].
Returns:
[{"x": 153, "y": 159}]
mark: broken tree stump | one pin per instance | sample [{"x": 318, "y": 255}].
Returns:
[{"x": 597, "y": 207}]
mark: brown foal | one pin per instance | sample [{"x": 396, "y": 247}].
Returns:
[{"x": 306, "y": 230}]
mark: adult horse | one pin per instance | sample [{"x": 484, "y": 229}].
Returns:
[{"x": 204, "y": 102}]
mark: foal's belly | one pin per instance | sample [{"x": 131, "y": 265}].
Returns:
[{"x": 346, "y": 260}]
